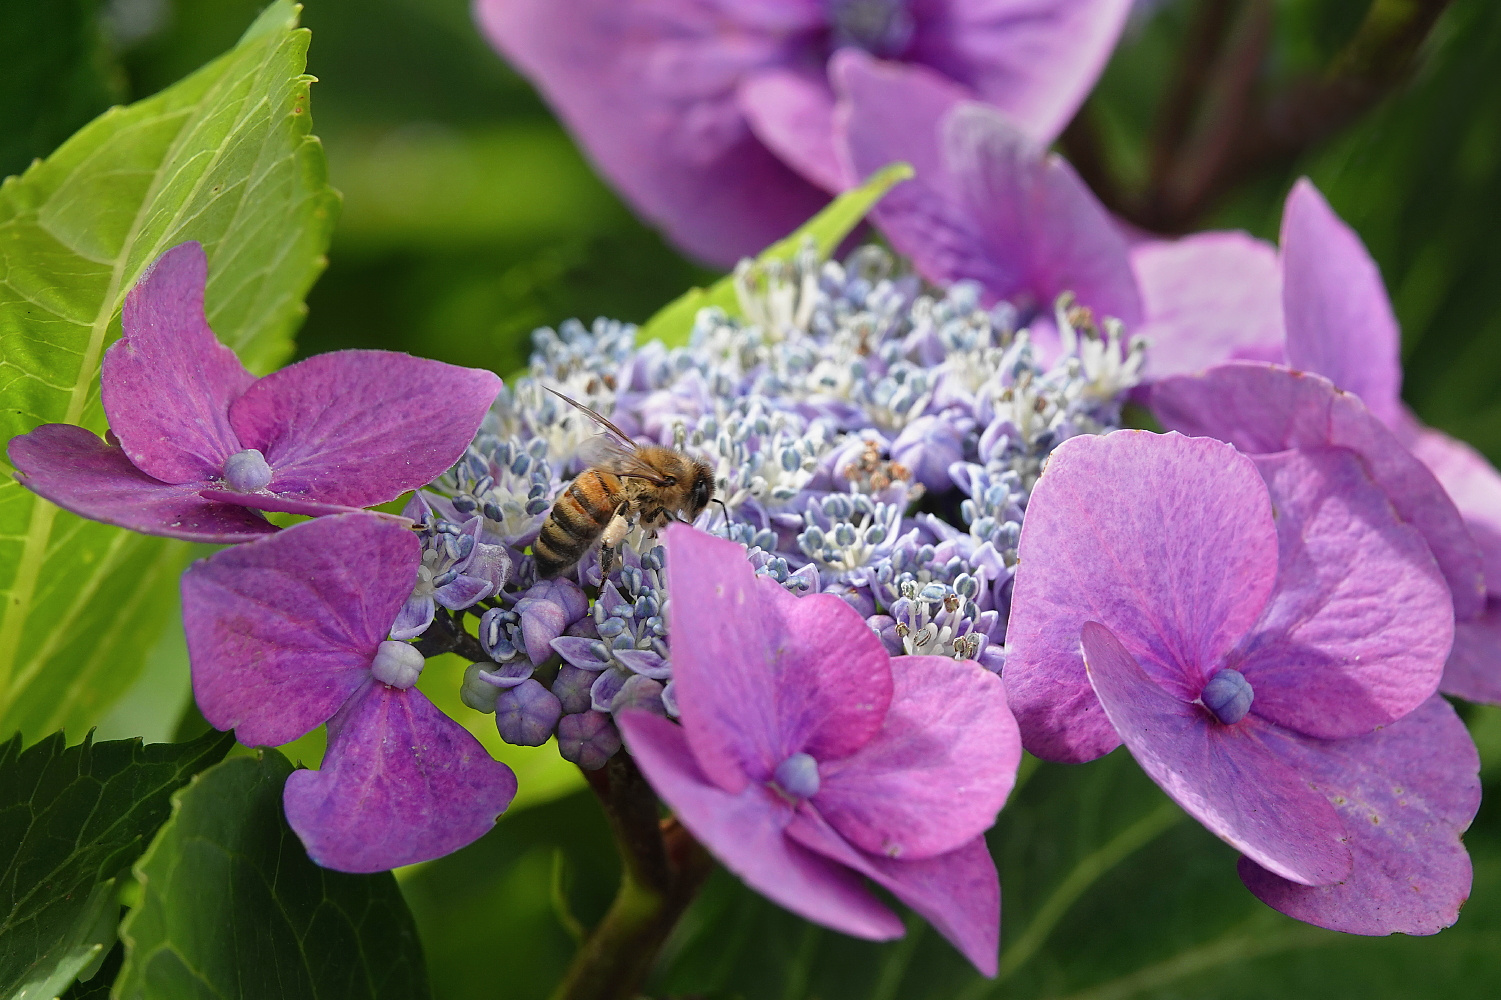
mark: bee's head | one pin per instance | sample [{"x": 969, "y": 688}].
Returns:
[{"x": 701, "y": 490}]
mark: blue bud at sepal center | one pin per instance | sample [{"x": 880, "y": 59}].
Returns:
[
  {"x": 398, "y": 664},
  {"x": 1228, "y": 695},
  {"x": 247, "y": 471},
  {"x": 797, "y": 776}
]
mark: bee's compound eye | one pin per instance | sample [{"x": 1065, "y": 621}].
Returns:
[{"x": 702, "y": 488}]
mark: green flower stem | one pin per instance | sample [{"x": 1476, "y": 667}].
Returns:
[{"x": 662, "y": 869}]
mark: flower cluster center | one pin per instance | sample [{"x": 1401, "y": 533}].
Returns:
[{"x": 1228, "y": 695}]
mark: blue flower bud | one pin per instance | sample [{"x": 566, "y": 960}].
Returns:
[
  {"x": 526, "y": 714},
  {"x": 798, "y": 776},
  {"x": 588, "y": 739},
  {"x": 247, "y": 471},
  {"x": 398, "y": 664},
  {"x": 1228, "y": 695}
]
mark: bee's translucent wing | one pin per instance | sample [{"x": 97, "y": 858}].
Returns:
[{"x": 611, "y": 450}]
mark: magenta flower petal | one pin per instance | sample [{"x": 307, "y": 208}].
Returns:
[
  {"x": 793, "y": 114},
  {"x": 651, "y": 92},
  {"x": 1406, "y": 793},
  {"x": 168, "y": 382},
  {"x": 1034, "y": 61},
  {"x": 1357, "y": 632},
  {"x": 1263, "y": 408},
  {"x": 401, "y": 783},
  {"x": 764, "y": 674},
  {"x": 1169, "y": 542},
  {"x": 283, "y": 630},
  {"x": 1471, "y": 482},
  {"x": 1474, "y": 668},
  {"x": 1222, "y": 775},
  {"x": 938, "y": 771},
  {"x": 745, "y": 831},
  {"x": 959, "y": 893},
  {"x": 888, "y": 112},
  {"x": 1339, "y": 320},
  {"x": 1208, "y": 298},
  {"x": 268, "y": 501},
  {"x": 362, "y": 427},
  {"x": 77, "y": 471}
]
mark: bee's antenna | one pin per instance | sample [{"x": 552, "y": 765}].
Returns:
[{"x": 726, "y": 515}]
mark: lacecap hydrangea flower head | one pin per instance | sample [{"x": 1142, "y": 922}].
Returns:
[{"x": 1266, "y": 637}]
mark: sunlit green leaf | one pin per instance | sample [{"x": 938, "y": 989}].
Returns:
[
  {"x": 71, "y": 819},
  {"x": 224, "y": 157},
  {"x": 232, "y": 908},
  {"x": 674, "y": 321}
]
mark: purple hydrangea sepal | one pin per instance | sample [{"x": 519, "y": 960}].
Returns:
[
  {"x": 1246, "y": 659},
  {"x": 200, "y": 438},
  {"x": 808, "y": 756},
  {"x": 290, "y": 631},
  {"x": 715, "y": 120},
  {"x": 988, "y": 204}
]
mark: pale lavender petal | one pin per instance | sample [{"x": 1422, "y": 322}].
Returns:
[
  {"x": 644, "y": 661},
  {"x": 1471, "y": 482},
  {"x": 282, "y": 630},
  {"x": 606, "y": 686},
  {"x": 833, "y": 678},
  {"x": 1339, "y": 321},
  {"x": 1263, "y": 408},
  {"x": 362, "y": 427},
  {"x": 1034, "y": 59},
  {"x": 1168, "y": 541},
  {"x": 1359, "y": 626},
  {"x": 1224, "y": 776},
  {"x": 167, "y": 383},
  {"x": 1474, "y": 668},
  {"x": 939, "y": 770},
  {"x": 1406, "y": 793},
  {"x": 1208, "y": 298},
  {"x": 79, "y": 472},
  {"x": 401, "y": 783},
  {"x": 546, "y": 610},
  {"x": 463, "y": 592},
  {"x": 959, "y": 893},
  {"x": 792, "y": 112},
  {"x": 745, "y": 831},
  {"x": 414, "y": 617},
  {"x": 580, "y": 652},
  {"x": 651, "y": 93}
]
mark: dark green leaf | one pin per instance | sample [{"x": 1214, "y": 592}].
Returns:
[
  {"x": 55, "y": 74},
  {"x": 71, "y": 818},
  {"x": 97, "y": 986},
  {"x": 231, "y": 907},
  {"x": 224, "y": 157}
]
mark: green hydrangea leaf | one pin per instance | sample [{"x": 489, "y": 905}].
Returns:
[
  {"x": 71, "y": 819},
  {"x": 224, "y": 157},
  {"x": 674, "y": 321},
  {"x": 232, "y": 908}
]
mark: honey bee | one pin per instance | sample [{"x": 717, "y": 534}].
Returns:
[{"x": 626, "y": 484}]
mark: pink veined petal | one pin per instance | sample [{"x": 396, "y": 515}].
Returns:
[
  {"x": 1474, "y": 668},
  {"x": 282, "y": 630},
  {"x": 1360, "y": 623},
  {"x": 167, "y": 383},
  {"x": 1471, "y": 482},
  {"x": 1208, "y": 298},
  {"x": 79, "y": 472},
  {"x": 651, "y": 93},
  {"x": 1263, "y": 408},
  {"x": 833, "y": 678},
  {"x": 1028, "y": 201},
  {"x": 358, "y": 428},
  {"x": 1339, "y": 321},
  {"x": 266, "y": 500},
  {"x": 792, "y": 112},
  {"x": 938, "y": 771},
  {"x": 959, "y": 893},
  {"x": 401, "y": 783},
  {"x": 1406, "y": 793},
  {"x": 722, "y": 673},
  {"x": 1036, "y": 60},
  {"x": 1167, "y": 540},
  {"x": 745, "y": 830},
  {"x": 1223, "y": 776}
]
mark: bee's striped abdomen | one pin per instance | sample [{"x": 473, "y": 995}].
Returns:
[{"x": 577, "y": 519}]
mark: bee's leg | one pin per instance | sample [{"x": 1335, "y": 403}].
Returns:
[
  {"x": 610, "y": 540},
  {"x": 606, "y": 562}
]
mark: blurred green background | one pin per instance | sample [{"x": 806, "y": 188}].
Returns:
[{"x": 470, "y": 218}]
